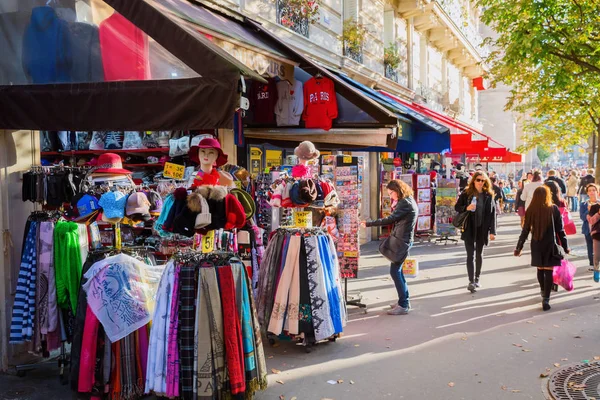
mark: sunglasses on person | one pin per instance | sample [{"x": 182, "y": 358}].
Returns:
[{"x": 479, "y": 180}]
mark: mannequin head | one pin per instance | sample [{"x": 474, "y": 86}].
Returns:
[
  {"x": 208, "y": 154},
  {"x": 208, "y": 158}
]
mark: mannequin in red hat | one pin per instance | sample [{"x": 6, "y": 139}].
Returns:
[{"x": 208, "y": 154}]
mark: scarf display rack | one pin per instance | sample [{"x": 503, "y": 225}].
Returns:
[
  {"x": 205, "y": 340},
  {"x": 299, "y": 291}
]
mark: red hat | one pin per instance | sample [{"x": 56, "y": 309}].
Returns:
[
  {"x": 236, "y": 215},
  {"x": 208, "y": 143},
  {"x": 110, "y": 163}
]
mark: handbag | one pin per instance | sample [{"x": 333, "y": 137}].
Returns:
[
  {"x": 394, "y": 248},
  {"x": 564, "y": 274},
  {"x": 558, "y": 253},
  {"x": 460, "y": 220},
  {"x": 570, "y": 228}
]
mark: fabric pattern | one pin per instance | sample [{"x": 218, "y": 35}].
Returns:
[
  {"x": 282, "y": 302},
  {"x": 318, "y": 295},
  {"x": 187, "y": 315},
  {"x": 67, "y": 265},
  {"x": 172, "y": 347}
]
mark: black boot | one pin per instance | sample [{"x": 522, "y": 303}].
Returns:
[
  {"x": 540, "y": 277},
  {"x": 548, "y": 282},
  {"x": 472, "y": 288},
  {"x": 546, "y": 304},
  {"x": 476, "y": 283}
]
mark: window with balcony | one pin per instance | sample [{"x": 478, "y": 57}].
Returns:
[
  {"x": 354, "y": 33},
  {"x": 298, "y": 15}
]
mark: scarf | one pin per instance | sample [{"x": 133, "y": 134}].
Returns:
[
  {"x": 263, "y": 291},
  {"x": 87, "y": 363},
  {"x": 142, "y": 337},
  {"x": 305, "y": 324},
  {"x": 166, "y": 209},
  {"x": 245, "y": 317},
  {"x": 233, "y": 344},
  {"x": 335, "y": 271},
  {"x": 330, "y": 284},
  {"x": 187, "y": 315},
  {"x": 259, "y": 353},
  {"x": 67, "y": 264},
  {"x": 130, "y": 382},
  {"x": 22, "y": 323},
  {"x": 41, "y": 293},
  {"x": 288, "y": 292},
  {"x": 48, "y": 310},
  {"x": 321, "y": 319},
  {"x": 172, "y": 348}
]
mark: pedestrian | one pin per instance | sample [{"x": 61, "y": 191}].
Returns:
[
  {"x": 572, "y": 185},
  {"x": 543, "y": 221},
  {"x": 553, "y": 176},
  {"x": 397, "y": 245},
  {"x": 527, "y": 194},
  {"x": 480, "y": 227},
  {"x": 520, "y": 203},
  {"x": 584, "y": 182},
  {"x": 584, "y": 208},
  {"x": 556, "y": 195},
  {"x": 499, "y": 196},
  {"x": 593, "y": 219}
]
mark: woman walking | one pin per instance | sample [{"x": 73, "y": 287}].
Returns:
[
  {"x": 480, "y": 227},
  {"x": 572, "y": 185},
  {"x": 584, "y": 209},
  {"x": 527, "y": 195},
  {"x": 395, "y": 248},
  {"x": 520, "y": 203},
  {"x": 544, "y": 221}
]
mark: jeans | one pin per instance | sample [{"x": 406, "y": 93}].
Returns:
[
  {"x": 573, "y": 203},
  {"x": 590, "y": 249},
  {"x": 474, "y": 258},
  {"x": 400, "y": 283}
]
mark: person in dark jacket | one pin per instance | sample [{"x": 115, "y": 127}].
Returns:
[
  {"x": 396, "y": 247},
  {"x": 520, "y": 203},
  {"x": 553, "y": 177},
  {"x": 584, "y": 208},
  {"x": 544, "y": 222},
  {"x": 584, "y": 182},
  {"x": 480, "y": 226}
]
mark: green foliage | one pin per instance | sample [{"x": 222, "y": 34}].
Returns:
[
  {"x": 548, "y": 52},
  {"x": 391, "y": 56},
  {"x": 354, "y": 35},
  {"x": 543, "y": 154}
]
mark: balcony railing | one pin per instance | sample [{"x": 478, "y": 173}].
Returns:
[
  {"x": 354, "y": 54},
  {"x": 458, "y": 15},
  {"x": 391, "y": 73},
  {"x": 291, "y": 18}
]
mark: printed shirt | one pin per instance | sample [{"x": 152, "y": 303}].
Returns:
[
  {"x": 263, "y": 98},
  {"x": 320, "y": 103}
]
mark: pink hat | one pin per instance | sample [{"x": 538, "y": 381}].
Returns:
[
  {"x": 208, "y": 143},
  {"x": 110, "y": 163}
]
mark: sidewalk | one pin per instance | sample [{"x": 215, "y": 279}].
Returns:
[{"x": 454, "y": 344}]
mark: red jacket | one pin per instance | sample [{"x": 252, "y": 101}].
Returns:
[{"x": 320, "y": 103}]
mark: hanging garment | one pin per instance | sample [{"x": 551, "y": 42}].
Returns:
[
  {"x": 187, "y": 315},
  {"x": 67, "y": 264},
  {"x": 321, "y": 319},
  {"x": 320, "y": 103},
  {"x": 288, "y": 292},
  {"x": 304, "y": 306},
  {"x": 263, "y": 98},
  {"x": 48, "y": 308},
  {"x": 290, "y": 103},
  {"x": 85, "y": 47},
  {"x": 21, "y": 328},
  {"x": 330, "y": 283},
  {"x": 88, "y": 352},
  {"x": 172, "y": 348}
]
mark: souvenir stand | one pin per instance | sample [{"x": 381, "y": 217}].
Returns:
[
  {"x": 424, "y": 197},
  {"x": 447, "y": 193},
  {"x": 299, "y": 294}
]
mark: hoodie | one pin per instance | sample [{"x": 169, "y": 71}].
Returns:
[
  {"x": 290, "y": 103},
  {"x": 320, "y": 103},
  {"x": 47, "y": 54}
]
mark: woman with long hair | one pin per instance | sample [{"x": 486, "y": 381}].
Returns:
[
  {"x": 395, "y": 248},
  {"x": 556, "y": 194},
  {"x": 544, "y": 222},
  {"x": 527, "y": 194},
  {"x": 572, "y": 185},
  {"x": 520, "y": 203},
  {"x": 480, "y": 227}
]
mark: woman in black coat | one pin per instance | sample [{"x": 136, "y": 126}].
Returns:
[
  {"x": 544, "y": 221},
  {"x": 480, "y": 226},
  {"x": 395, "y": 247}
]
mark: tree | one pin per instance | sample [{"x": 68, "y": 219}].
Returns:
[
  {"x": 543, "y": 154},
  {"x": 548, "y": 51}
]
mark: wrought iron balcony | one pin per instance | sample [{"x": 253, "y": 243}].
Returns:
[
  {"x": 353, "y": 54},
  {"x": 458, "y": 14},
  {"x": 292, "y": 18},
  {"x": 391, "y": 73}
]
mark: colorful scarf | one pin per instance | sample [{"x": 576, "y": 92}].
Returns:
[
  {"x": 67, "y": 264},
  {"x": 89, "y": 344},
  {"x": 48, "y": 310},
  {"x": 245, "y": 317},
  {"x": 130, "y": 382},
  {"x": 22, "y": 324},
  {"x": 234, "y": 350},
  {"x": 304, "y": 307},
  {"x": 259, "y": 353},
  {"x": 321, "y": 319},
  {"x": 187, "y": 315},
  {"x": 172, "y": 348},
  {"x": 326, "y": 257}
]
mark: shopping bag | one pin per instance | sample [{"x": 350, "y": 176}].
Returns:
[
  {"x": 563, "y": 275},
  {"x": 410, "y": 268},
  {"x": 570, "y": 228}
]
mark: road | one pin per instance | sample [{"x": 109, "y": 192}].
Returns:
[{"x": 493, "y": 344}]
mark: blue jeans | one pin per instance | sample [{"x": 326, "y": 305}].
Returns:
[
  {"x": 400, "y": 283},
  {"x": 574, "y": 203},
  {"x": 590, "y": 248}
]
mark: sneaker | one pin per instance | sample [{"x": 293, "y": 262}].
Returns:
[
  {"x": 596, "y": 276},
  {"x": 472, "y": 288},
  {"x": 393, "y": 305},
  {"x": 399, "y": 311},
  {"x": 476, "y": 283}
]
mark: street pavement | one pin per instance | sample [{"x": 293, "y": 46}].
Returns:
[{"x": 493, "y": 344}]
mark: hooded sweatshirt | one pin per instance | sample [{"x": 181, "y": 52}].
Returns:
[
  {"x": 290, "y": 103},
  {"x": 320, "y": 103},
  {"x": 47, "y": 48}
]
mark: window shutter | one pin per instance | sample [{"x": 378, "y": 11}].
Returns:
[
  {"x": 389, "y": 28},
  {"x": 351, "y": 9}
]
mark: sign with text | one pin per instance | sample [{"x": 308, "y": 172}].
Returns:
[
  {"x": 303, "y": 219},
  {"x": 208, "y": 242},
  {"x": 174, "y": 171}
]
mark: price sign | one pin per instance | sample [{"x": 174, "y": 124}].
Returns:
[
  {"x": 174, "y": 171},
  {"x": 351, "y": 254},
  {"x": 347, "y": 159},
  {"x": 208, "y": 242},
  {"x": 303, "y": 219}
]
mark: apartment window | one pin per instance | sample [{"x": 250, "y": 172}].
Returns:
[
  {"x": 289, "y": 14},
  {"x": 351, "y": 15}
]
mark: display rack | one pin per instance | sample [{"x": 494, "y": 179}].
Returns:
[
  {"x": 424, "y": 197},
  {"x": 446, "y": 195}
]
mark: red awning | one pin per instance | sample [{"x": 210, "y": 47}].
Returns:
[{"x": 509, "y": 157}]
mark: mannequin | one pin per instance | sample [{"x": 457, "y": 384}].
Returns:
[
  {"x": 208, "y": 154},
  {"x": 306, "y": 152}
]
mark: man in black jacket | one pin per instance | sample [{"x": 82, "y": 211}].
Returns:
[
  {"x": 553, "y": 177},
  {"x": 586, "y": 180}
]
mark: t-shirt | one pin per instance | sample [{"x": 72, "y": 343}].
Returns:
[
  {"x": 320, "y": 103},
  {"x": 263, "y": 98}
]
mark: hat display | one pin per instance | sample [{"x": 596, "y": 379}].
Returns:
[
  {"x": 137, "y": 203},
  {"x": 184, "y": 222},
  {"x": 86, "y": 206},
  {"x": 306, "y": 151},
  {"x": 246, "y": 200},
  {"x": 308, "y": 190},
  {"x": 113, "y": 205},
  {"x": 204, "y": 218},
  {"x": 208, "y": 143},
  {"x": 226, "y": 179},
  {"x": 156, "y": 202},
  {"x": 110, "y": 163},
  {"x": 235, "y": 213},
  {"x": 295, "y": 196}
]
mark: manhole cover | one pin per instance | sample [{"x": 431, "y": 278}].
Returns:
[{"x": 576, "y": 382}]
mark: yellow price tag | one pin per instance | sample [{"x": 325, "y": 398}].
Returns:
[
  {"x": 351, "y": 254},
  {"x": 208, "y": 242},
  {"x": 174, "y": 171},
  {"x": 347, "y": 160},
  {"x": 303, "y": 219},
  {"x": 118, "y": 243}
]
